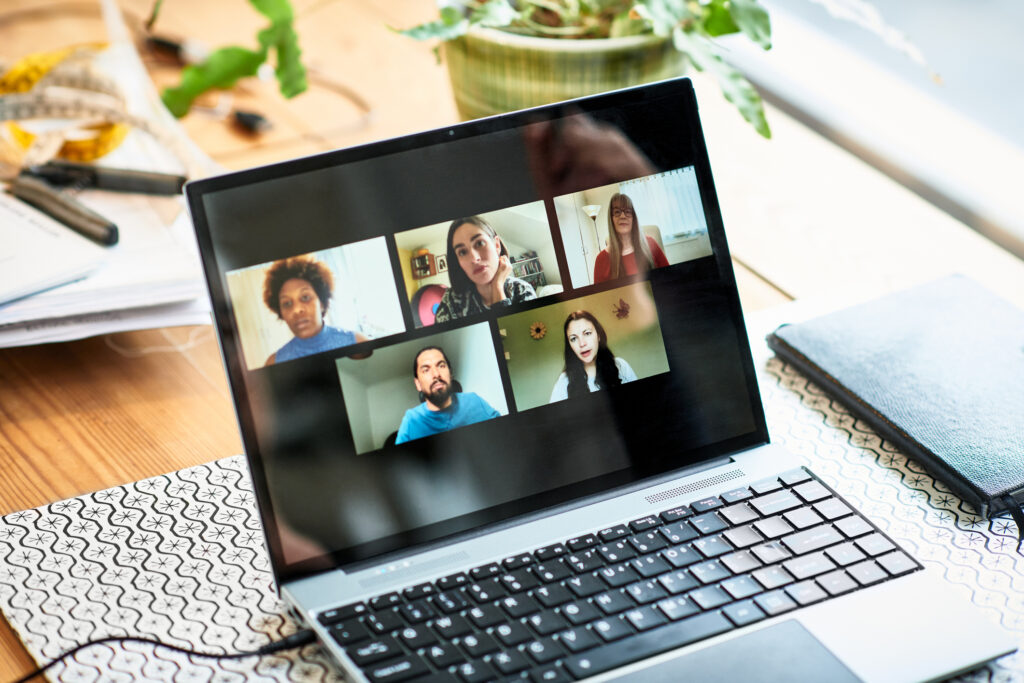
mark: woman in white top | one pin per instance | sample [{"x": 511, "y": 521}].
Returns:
[{"x": 589, "y": 363}]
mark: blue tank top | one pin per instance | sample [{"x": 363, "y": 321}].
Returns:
[{"x": 326, "y": 339}]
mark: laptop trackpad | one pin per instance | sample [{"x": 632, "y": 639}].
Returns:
[{"x": 782, "y": 653}]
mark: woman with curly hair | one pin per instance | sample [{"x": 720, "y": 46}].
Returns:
[
  {"x": 629, "y": 252},
  {"x": 589, "y": 364},
  {"x": 298, "y": 290},
  {"x": 480, "y": 272}
]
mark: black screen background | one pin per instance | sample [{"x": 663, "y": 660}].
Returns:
[{"x": 354, "y": 507}]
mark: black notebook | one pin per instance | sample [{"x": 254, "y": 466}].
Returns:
[{"x": 938, "y": 370}]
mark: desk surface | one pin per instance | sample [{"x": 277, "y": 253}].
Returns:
[{"x": 805, "y": 220}]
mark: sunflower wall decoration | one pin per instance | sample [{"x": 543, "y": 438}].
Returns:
[{"x": 538, "y": 330}]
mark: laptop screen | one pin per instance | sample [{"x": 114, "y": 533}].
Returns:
[{"x": 432, "y": 334}]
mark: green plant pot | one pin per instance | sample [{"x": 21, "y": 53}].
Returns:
[{"x": 493, "y": 71}]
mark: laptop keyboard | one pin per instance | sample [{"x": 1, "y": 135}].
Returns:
[{"x": 605, "y": 599}]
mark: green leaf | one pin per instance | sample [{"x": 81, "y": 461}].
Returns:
[
  {"x": 718, "y": 20},
  {"x": 663, "y": 15},
  {"x": 736, "y": 89},
  {"x": 451, "y": 25},
  {"x": 221, "y": 69},
  {"x": 752, "y": 20},
  {"x": 493, "y": 13},
  {"x": 290, "y": 73},
  {"x": 278, "y": 11}
]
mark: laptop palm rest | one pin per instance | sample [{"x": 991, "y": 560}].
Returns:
[{"x": 782, "y": 653}]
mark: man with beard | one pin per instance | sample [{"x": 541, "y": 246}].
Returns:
[{"x": 442, "y": 407}]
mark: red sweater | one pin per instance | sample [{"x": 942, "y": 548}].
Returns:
[{"x": 603, "y": 264}]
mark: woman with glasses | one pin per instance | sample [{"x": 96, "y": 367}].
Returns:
[{"x": 629, "y": 251}]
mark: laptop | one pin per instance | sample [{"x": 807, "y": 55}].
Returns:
[{"x": 502, "y": 419}]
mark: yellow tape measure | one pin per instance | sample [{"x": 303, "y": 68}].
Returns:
[{"x": 86, "y": 142}]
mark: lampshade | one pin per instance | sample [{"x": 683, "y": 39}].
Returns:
[{"x": 592, "y": 210}]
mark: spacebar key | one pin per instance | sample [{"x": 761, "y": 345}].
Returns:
[{"x": 647, "y": 644}]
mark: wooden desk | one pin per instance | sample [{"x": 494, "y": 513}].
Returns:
[{"x": 804, "y": 220}]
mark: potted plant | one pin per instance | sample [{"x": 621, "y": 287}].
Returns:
[{"x": 510, "y": 54}]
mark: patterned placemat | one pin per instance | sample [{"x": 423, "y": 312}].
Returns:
[{"x": 180, "y": 557}]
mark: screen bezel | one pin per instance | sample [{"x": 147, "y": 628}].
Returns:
[{"x": 676, "y": 94}]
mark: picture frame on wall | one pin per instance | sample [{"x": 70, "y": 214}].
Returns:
[{"x": 442, "y": 263}]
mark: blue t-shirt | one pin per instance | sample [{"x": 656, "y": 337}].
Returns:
[
  {"x": 326, "y": 339},
  {"x": 466, "y": 408}
]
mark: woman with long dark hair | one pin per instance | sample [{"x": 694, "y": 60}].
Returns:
[
  {"x": 589, "y": 364},
  {"x": 480, "y": 272},
  {"x": 629, "y": 251}
]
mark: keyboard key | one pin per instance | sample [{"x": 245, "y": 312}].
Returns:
[
  {"x": 794, "y": 477},
  {"x": 552, "y": 596},
  {"x": 709, "y": 597},
  {"x": 897, "y": 563},
  {"x": 475, "y": 672},
  {"x": 713, "y": 546},
  {"x": 774, "y": 503},
  {"x": 517, "y": 561},
  {"x": 401, "y": 669},
  {"x": 486, "y": 615},
  {"x": 333, "y": 616},
  {"x": 479, "y": 644},
  {"x": 806, "y": 592},
  {"x": 875, "y": 544},
  {"x": 679, "y": 532},
  {"x": 708, "y": 523},
  {"x": 808, "y": 541},
  {"x": 644, "y": 523},
  {"x": 549, "y": 674},
  {"x": 736, "y": 495},
  {"x": 739, "y": 514},
  {"x": 802, "y": 518},
  {"x": 374, "y": 651},
  {"x": 854, "y": 526},
  {"x": 806, "y": 566},
  {"x": 512, "y": 633},
  {"x": 613, "y": 602},
  {"x": 415, "y": 637},
  {"x": 415, "y": 612},
  {"x": 867, "y": 573},
  {"x": 510, "y": 662},
  {"x": 773, "y": 527},
  {"x": 676, "y": 514},
  {"x": 420, "y": 591},
  {"x": 646, "y": 591},
  {"x": 579, "y": 612},
  {"x": 766, "y": 486},
  {"x": 836, "y": 583},
  {"x": 681, "y": 556},
  {"x": 451, "y": 626},
  {"x": 772, "y": 577},
  {"x": 678, "y": 582},
  {"x": 832, "y": 508},
  {"x": 485, "y": 571},
  {"x": 740, "y": 562},
  {"x": 614, "y": 533},
  {"x": 743, "y": 613},
  {"x": 771, "y": 552},
  {"x": 647, "y": 542},
  {"x": 678, "y": 607},
  {"x": 740, "y": 587},
  {"x": 443, "y": 655},
  {"x": 645, "y": 618},
  {"x": 617, "y": 551},
  {"x": 812, "y": 491},
  {"x": 580, "y": 542},
  {"x": 518, "y": 581},
  {"x": 584, "y": 586},
  {"x": 547, "y": 622},
  {"x": 743, "y": 537},
  {"x": 706, "y": 504},
  {"x": 551, "y": 571},
  {"x": 585, "y": 561},
  {"x": 551, "y": 552},
  {"x": 647, "y": 644},
  {"x": 611, "y": 628},
  {"x": 544, "y": 650},
  {"x": 775, "y": 602},
  {"x": 486, "y": 591},
  {"x": 350, "y": 631},
  {"x": 710, "y": 572},
  {"x": 385, "y": 621},
  {"x": 389, "y": 600},
  {"x": 519, "y": 605},
  {"x": 845, "y": 554},
  {"x": 450, "y": 602},
  {"x": 578, "y": 639},
  {"x": 453, "y": 581},
  {"x": 618, "y": 575},
  {"x": 651, "y": 565}
]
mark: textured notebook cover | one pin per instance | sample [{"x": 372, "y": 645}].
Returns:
[{"x": 938, "y": 370}]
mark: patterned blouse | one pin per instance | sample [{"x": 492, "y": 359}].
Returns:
[{"x": 455, "y": 305}]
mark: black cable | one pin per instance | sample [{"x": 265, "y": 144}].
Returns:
[{"x": 293, "y": 641}]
